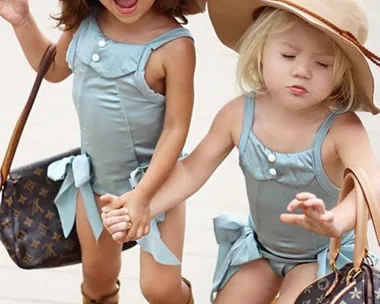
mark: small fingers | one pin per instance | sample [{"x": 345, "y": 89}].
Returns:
[
  {"x": 119, "y": 227},
  {"x": 294, "y": 204},
  {"x": 310, "y": 205},
  {"x": 119, "y": 237},
  {"x": 297, "y": 219},
  {"x": 292, "y": 219},
  {"x": 115, "y": 212},
  {"x": 110, "y": 221},
  {"x": 111, "y": 202},
  {"x": 316, "y": 204},
  {"x": 299, "y": 200},
  {"x": 302, "y": 196}
]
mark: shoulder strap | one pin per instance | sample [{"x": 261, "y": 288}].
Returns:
[
  {"x": 46, "y": 61},
  {"x": 324, "y": 129},
  {"x": 317, "y": 155},
  {"x": 169, "y": 36},
  {"x": 249, "y": 110},
  {"x": 160, "y": 41}
]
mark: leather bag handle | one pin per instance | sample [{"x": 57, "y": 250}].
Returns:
[
  {"x": 44, "y": 66},
  {"x": 367, "y": 204}
]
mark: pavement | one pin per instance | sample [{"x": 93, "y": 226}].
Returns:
[{"x": 53, "y": 128}]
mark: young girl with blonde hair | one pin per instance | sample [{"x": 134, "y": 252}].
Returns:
[{"x": 304, "y": 73}]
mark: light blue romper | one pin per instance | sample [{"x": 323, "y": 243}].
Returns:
[
  {"x": 120, "y": 119},
  {"x": 272, "y": 181}
]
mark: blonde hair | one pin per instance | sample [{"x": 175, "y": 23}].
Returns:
[{"x": 344, "y": 96}]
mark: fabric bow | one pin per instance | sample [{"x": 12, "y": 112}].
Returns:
[
  {"x": 237, "y": 246},
  {"x": 152, "y": 243},
  {"x": 76, "y": 176}
]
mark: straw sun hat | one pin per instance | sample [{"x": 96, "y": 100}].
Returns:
[{"x": 344, "y": 21}]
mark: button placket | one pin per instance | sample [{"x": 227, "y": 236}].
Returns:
[{"x": 272, "y": 159}]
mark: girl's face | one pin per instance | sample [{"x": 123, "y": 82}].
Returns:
[
  {"x": 128, "y": 11},
  {"x": 297, "y": 67}
]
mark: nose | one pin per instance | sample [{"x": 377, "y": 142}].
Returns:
[{"x": 301, "y": 69}]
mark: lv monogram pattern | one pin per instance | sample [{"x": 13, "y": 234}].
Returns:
[
  {"x": 365, "y": 288},
  {"x": 30, "y": 228}
]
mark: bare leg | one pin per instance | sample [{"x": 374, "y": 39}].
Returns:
[
  {"x": 295, "y": 281},
  {"x": 163, "y": 283},
  {"x": 101, "y": 261},
  {"x": 255, "y": 283}
]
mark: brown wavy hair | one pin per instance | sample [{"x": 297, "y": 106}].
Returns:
[{"x": 74, "y": 11}]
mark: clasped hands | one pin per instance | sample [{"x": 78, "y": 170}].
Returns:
[{"x": 127, "y": 219}]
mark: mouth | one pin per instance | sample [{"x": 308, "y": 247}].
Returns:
[
  {"x": 126, "y": 6},
  {"x": 297, "y": 90}
]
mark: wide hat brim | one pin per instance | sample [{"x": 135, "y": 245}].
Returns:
[{"x": 231, "y": 19}]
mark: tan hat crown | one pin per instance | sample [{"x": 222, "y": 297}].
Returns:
[{"x": 347, "y": 15}]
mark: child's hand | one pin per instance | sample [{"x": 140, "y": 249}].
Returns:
[
  {"x": 314, "y": 218},
  {"x": 116, "y": 219},
  {"x": 14, "y": 11},
  {"x": 138, "y": 211}
]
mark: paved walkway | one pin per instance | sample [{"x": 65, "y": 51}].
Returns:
[{"x": 53, "y": 128}]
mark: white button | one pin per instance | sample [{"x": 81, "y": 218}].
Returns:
[
  {"x": 272, "y": 171},
  {"x": 102, "y": 43},
  {"x": 271, "y": 158},
  {"x": 95, "y": 57}
]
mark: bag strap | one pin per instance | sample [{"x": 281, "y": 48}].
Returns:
[
  {"x": 367, "y": 204},
  {"x": 44, "y": 66}
]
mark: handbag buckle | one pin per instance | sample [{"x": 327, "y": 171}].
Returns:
[
  {"x": 335, "y": 268},
  {"x": 336, "y": 279},
  {"x": 352, "y": 275}
]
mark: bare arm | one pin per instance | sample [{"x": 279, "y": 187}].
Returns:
[
  {"x": 179, "y": 75},
  {"x": 34, "y": 45},
  {"x": 187, "y": 176},
  {"x": 32, "y": 41},
  {"x": 354, "y": 150},
  {"x": 191, "y": 173}
]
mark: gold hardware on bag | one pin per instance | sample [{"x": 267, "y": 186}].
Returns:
[
  {"x": 336, "y": 279},
  {"x": 352, "y": 275}
]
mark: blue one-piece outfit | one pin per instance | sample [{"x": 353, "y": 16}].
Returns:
[
  {"x": 273, "y": 180},
  {"x": 120, "y": 120}
]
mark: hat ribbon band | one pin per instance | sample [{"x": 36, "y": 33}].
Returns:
[{"x": 345, "y": 34}]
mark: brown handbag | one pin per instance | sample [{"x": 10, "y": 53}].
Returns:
[
  {"x": 357, "y": 282},
  {"x": 30, "y": 228}
]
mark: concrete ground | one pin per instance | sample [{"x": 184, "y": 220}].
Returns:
[{"x": 53, "y": 128}]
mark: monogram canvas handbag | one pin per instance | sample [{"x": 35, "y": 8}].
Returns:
[
  {"x": 30, "y": 228},
  {"x": 357, "y": 282}
]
